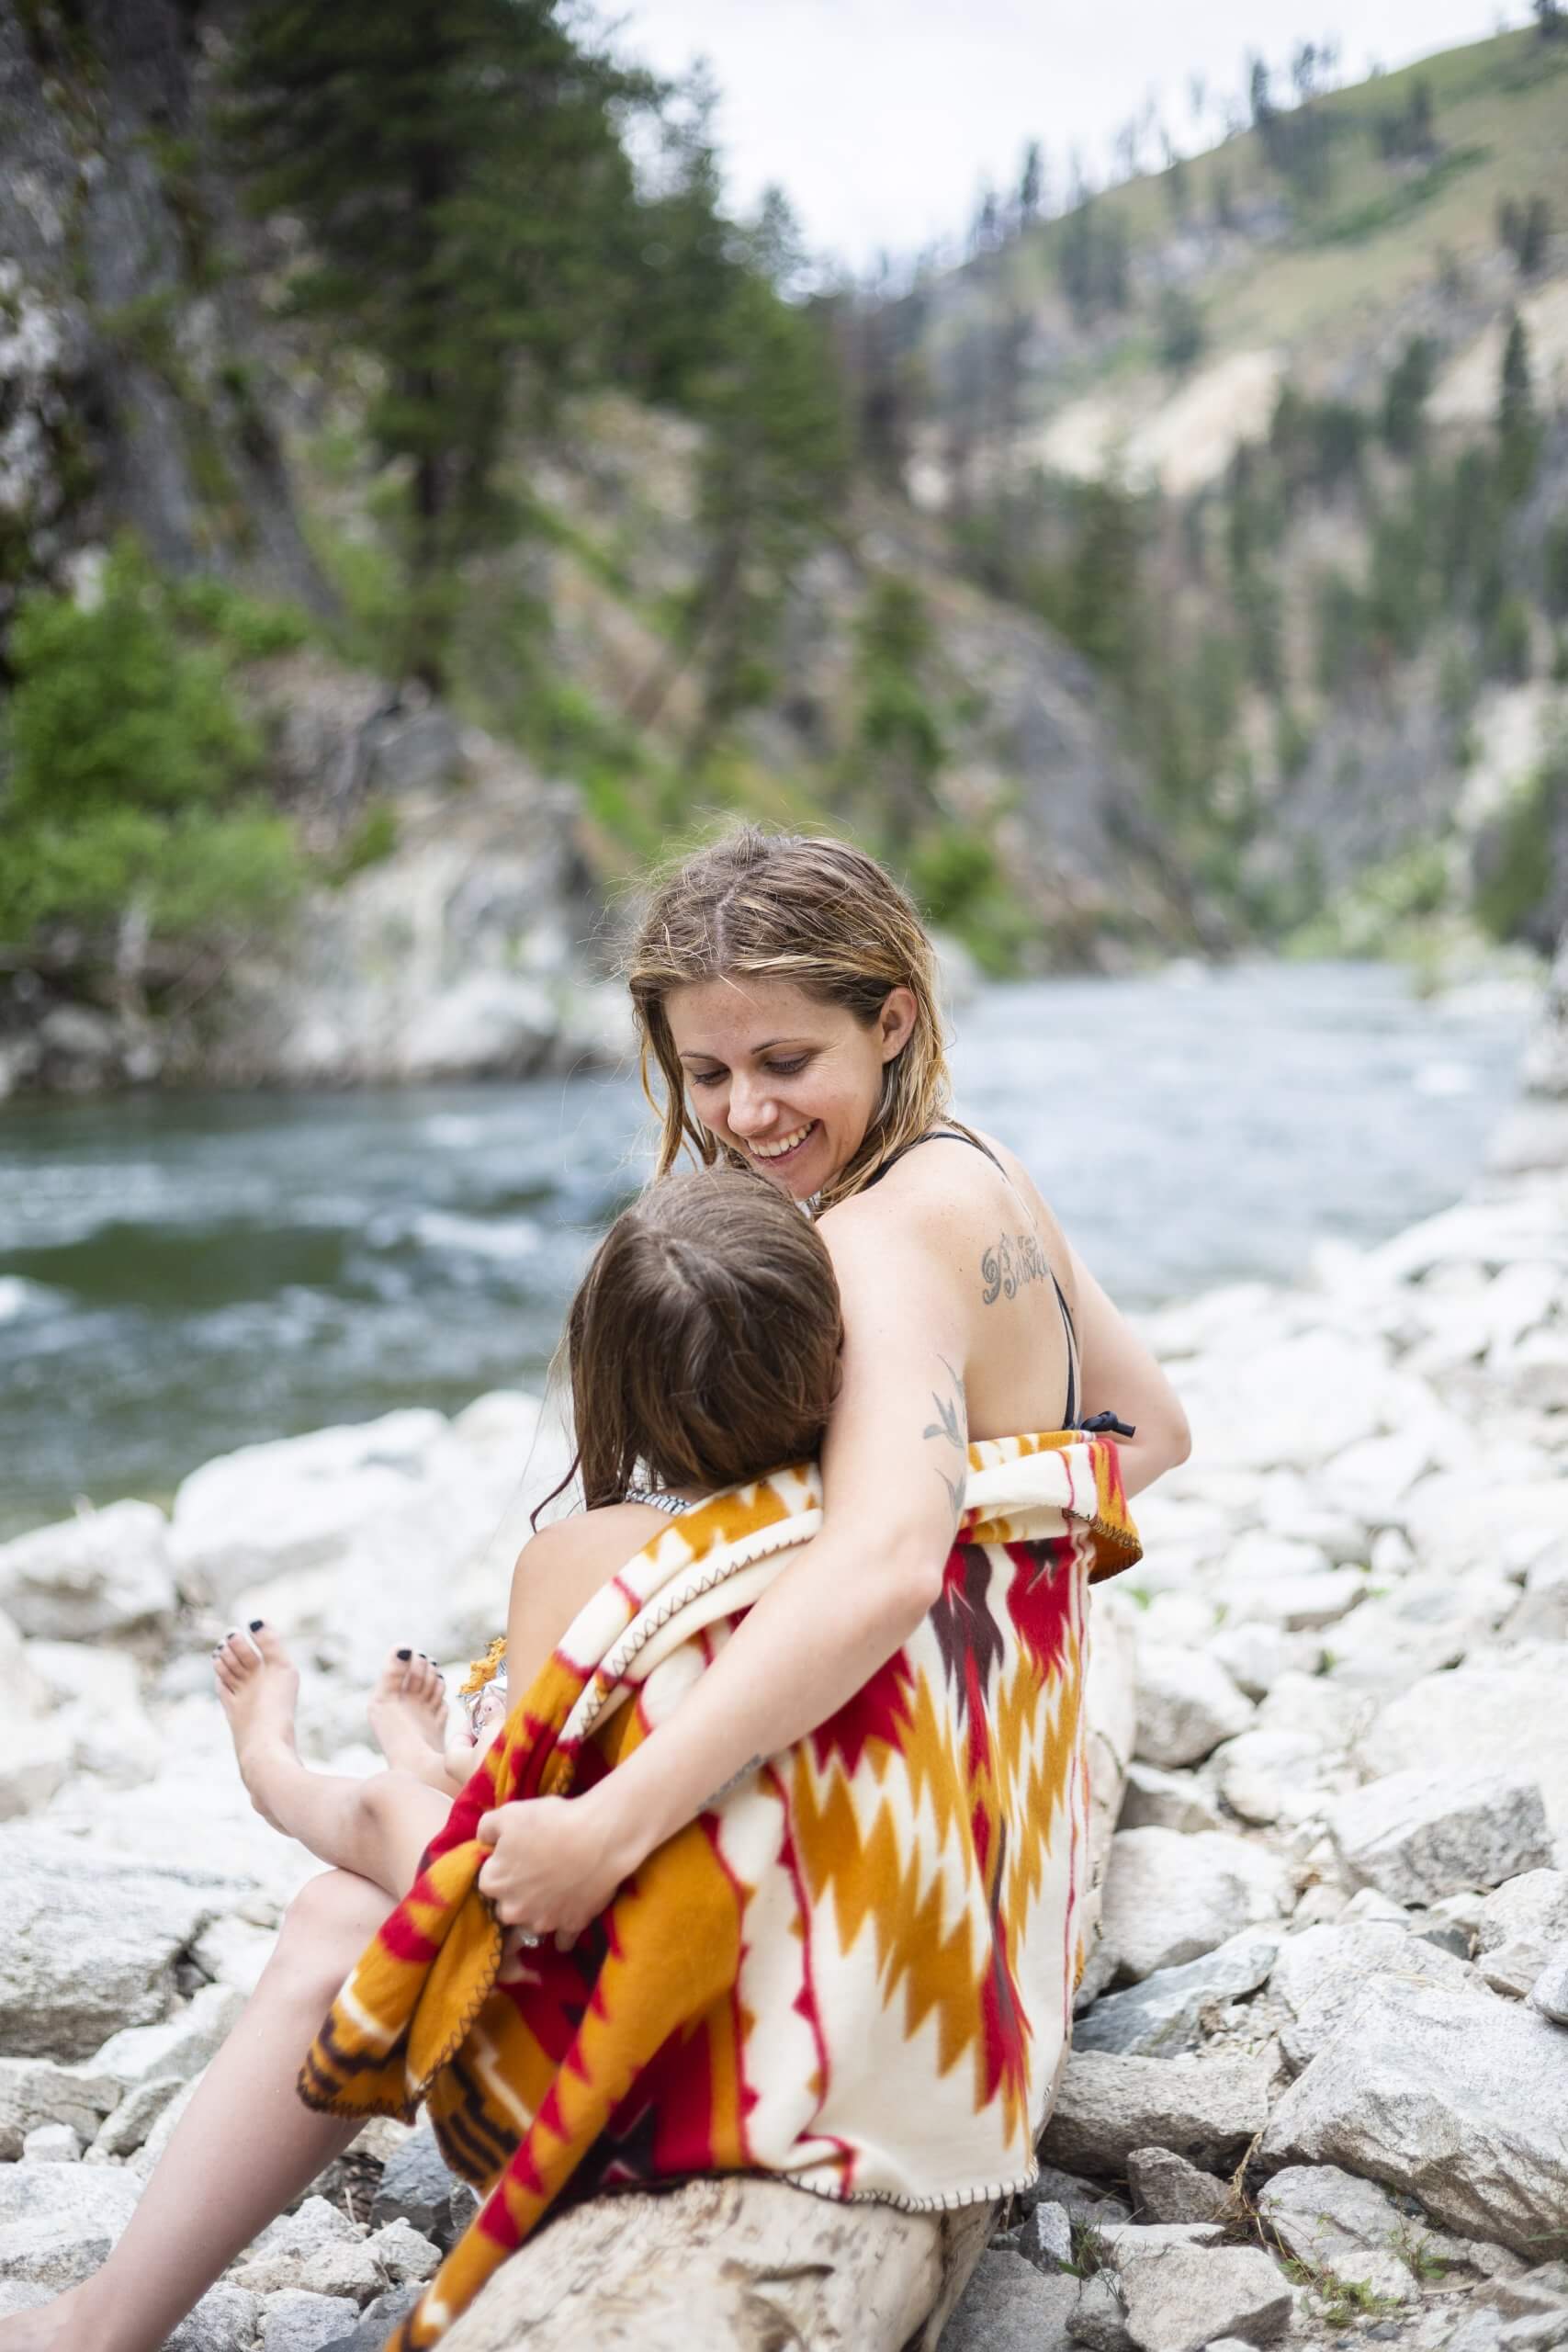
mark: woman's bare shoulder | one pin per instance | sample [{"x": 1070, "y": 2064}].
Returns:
[{"x": 590, "y": 1540}]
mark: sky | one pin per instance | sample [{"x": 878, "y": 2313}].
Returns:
[{"x": 880, "y": 118}]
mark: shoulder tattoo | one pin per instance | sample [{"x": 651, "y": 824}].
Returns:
[{"x": 1012, "y": 1260}]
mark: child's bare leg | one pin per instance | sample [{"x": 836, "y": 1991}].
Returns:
[
  {"x": 245, "y": 2148},
  {"x": 377, "y": 1826},
  {"x": 407, "y": 1714}
]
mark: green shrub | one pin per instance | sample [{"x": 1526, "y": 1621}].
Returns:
[
  {"x": 246, "y": 627},
  {"x": 1515, "y": 878},
  {"x": 128, "y": 763},
  {"x": 958, "y": 882},
  {"x": 112, "y": 706}
]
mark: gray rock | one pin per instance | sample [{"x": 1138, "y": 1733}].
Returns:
[
  {"x": 1333, "y": 2222},
  {"x": 105, "y": 1572},
  {"x": 1256, "y": 1655},
  {"x": 88, "y": 1940},
  {"x": 1153, "y": 2237},
  {"x": 1454, "y": 2098},
  {"x": 178, "y": 2047},
  {"x": 1165, "y": 2187},
  {"x": 1517, "y": 1928},
  {"x": 1266, "y": 1776},
  {"x": 1207, "y": 2108},
  {"x": 1047, "y": 2237},
  {"x": 58, "y": 2222},
  {"x": 35, "y": 1757},
  {"x": 376, "y": 2322},
  {"x": 1171, "y": 1898},
  {"x": 1548, "y": 1994},
  {"x": 1097, "y": 2321},
  {"x": 1186, "y": 1704},
  {"x": 130, "y": 2126},
  {"x": 1178, "y": 2299},
  {"x": 340, "y": 2268},
  {"x": 403, "y": 2253},
  {"x": 1081, "y": 2200},
  {"x": 296, "y": 2236},
  {"x": 1321, "y": 1974},
  {"x": 1415, "y": 1837},
  {"x": 1160, "y": 2017},
  {"x": 1490, "y": 1713},
  {"x": 417, "y": 2187},
  {"x": 51, "y": 2144},
  {"x": 1157, "y": 1799},
  {"x": 225, "y": 2319},
  {"x": 164, "y": 2129},
  {"x": 1008, "y": 2306},
  {"x": 297, "y": 2321},
  {"x": 34, "y": 2091}
]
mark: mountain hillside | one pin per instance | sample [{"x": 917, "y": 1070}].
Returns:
[
  {"x": 1187, "y": 568},
  {"x": 1302, "y": 399}
]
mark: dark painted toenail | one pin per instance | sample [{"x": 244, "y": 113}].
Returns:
[
  {"x": 405, "y": 1654},
  {"x": 256, "y": 1624}
]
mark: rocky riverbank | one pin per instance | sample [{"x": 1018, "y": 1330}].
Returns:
[{"x": 1317, "y": 2090}]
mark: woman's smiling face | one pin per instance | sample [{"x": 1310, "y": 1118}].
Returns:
[{"x": 791, "y": 1083}]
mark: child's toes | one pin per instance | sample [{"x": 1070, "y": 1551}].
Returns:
[{"x": 270, "y": 1646}]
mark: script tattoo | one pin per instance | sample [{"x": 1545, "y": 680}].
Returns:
[
  {"x": 1011, "y": 1261},
  {"x": 951, "y": 1427}
]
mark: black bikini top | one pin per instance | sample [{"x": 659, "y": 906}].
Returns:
[{"x": 1097, "y": 1423}]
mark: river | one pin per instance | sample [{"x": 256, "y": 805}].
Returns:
[{"x": 180, "y": 1274}]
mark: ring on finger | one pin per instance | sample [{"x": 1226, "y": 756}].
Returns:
[{"x": 524, "y": 1936}]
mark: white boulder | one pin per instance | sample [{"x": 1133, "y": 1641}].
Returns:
[
  {"x": 1519, "y": 1925},
  {"x": 1171, "y": 1898},
  {"x": 1333, "y": 2222},
  {"x": 104, "y": 1573},
  {"x": 1186, "y": 1704},
  {"x": 1417, "y": 1837},
  {"x": 1485, "y": 1716},
  {"x": 1454, "y": 2098}
]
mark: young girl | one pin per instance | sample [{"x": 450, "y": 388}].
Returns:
[{"x": 702, "y": 1351}]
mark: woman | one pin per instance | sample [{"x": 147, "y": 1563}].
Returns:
[{"x": 785, "y": 994}]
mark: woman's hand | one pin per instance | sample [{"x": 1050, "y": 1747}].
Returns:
[{"x": 556, "y": 1862}]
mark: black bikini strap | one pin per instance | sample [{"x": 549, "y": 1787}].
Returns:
[{"x": 936, "y": 1135}]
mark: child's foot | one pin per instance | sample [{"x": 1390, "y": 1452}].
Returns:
[
  {"x": 407, "y": 1711},
  {"x": 259, "y": 1685}
]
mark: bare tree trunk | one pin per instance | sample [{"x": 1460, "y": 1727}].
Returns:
[{"x": 743, "y": 2264}]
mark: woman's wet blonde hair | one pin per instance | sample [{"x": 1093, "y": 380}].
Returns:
[{"x": 815, "y": 913}]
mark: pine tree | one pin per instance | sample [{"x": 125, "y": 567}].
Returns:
[
  {"x": 1030, "y": 185},
  {"x": 457, "y": 168},
  {"x": 1518, "y": 429},
  {"x": 771, "y": 475}
]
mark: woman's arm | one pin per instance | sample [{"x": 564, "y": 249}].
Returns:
[
  {"x": 1121, "y": 1376},
  {"x": 893, "y": 1474}
]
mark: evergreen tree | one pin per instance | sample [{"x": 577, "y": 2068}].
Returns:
[
  {"x": 1030, "y": 185},
  {"x": 1405, "y": 393},
  {"x": 1518, "y": 428},
  {"x": 681, "y": 267},
  {"x": 457, "y": 166},
  {"x": 1535, "y": 229},
  {"x": 770, "y": 476}
]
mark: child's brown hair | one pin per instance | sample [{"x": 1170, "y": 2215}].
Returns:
[{"x": 702, "y": 1344}]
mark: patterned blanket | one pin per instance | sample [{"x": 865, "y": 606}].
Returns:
[{"x": 855, "y": 1970}]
